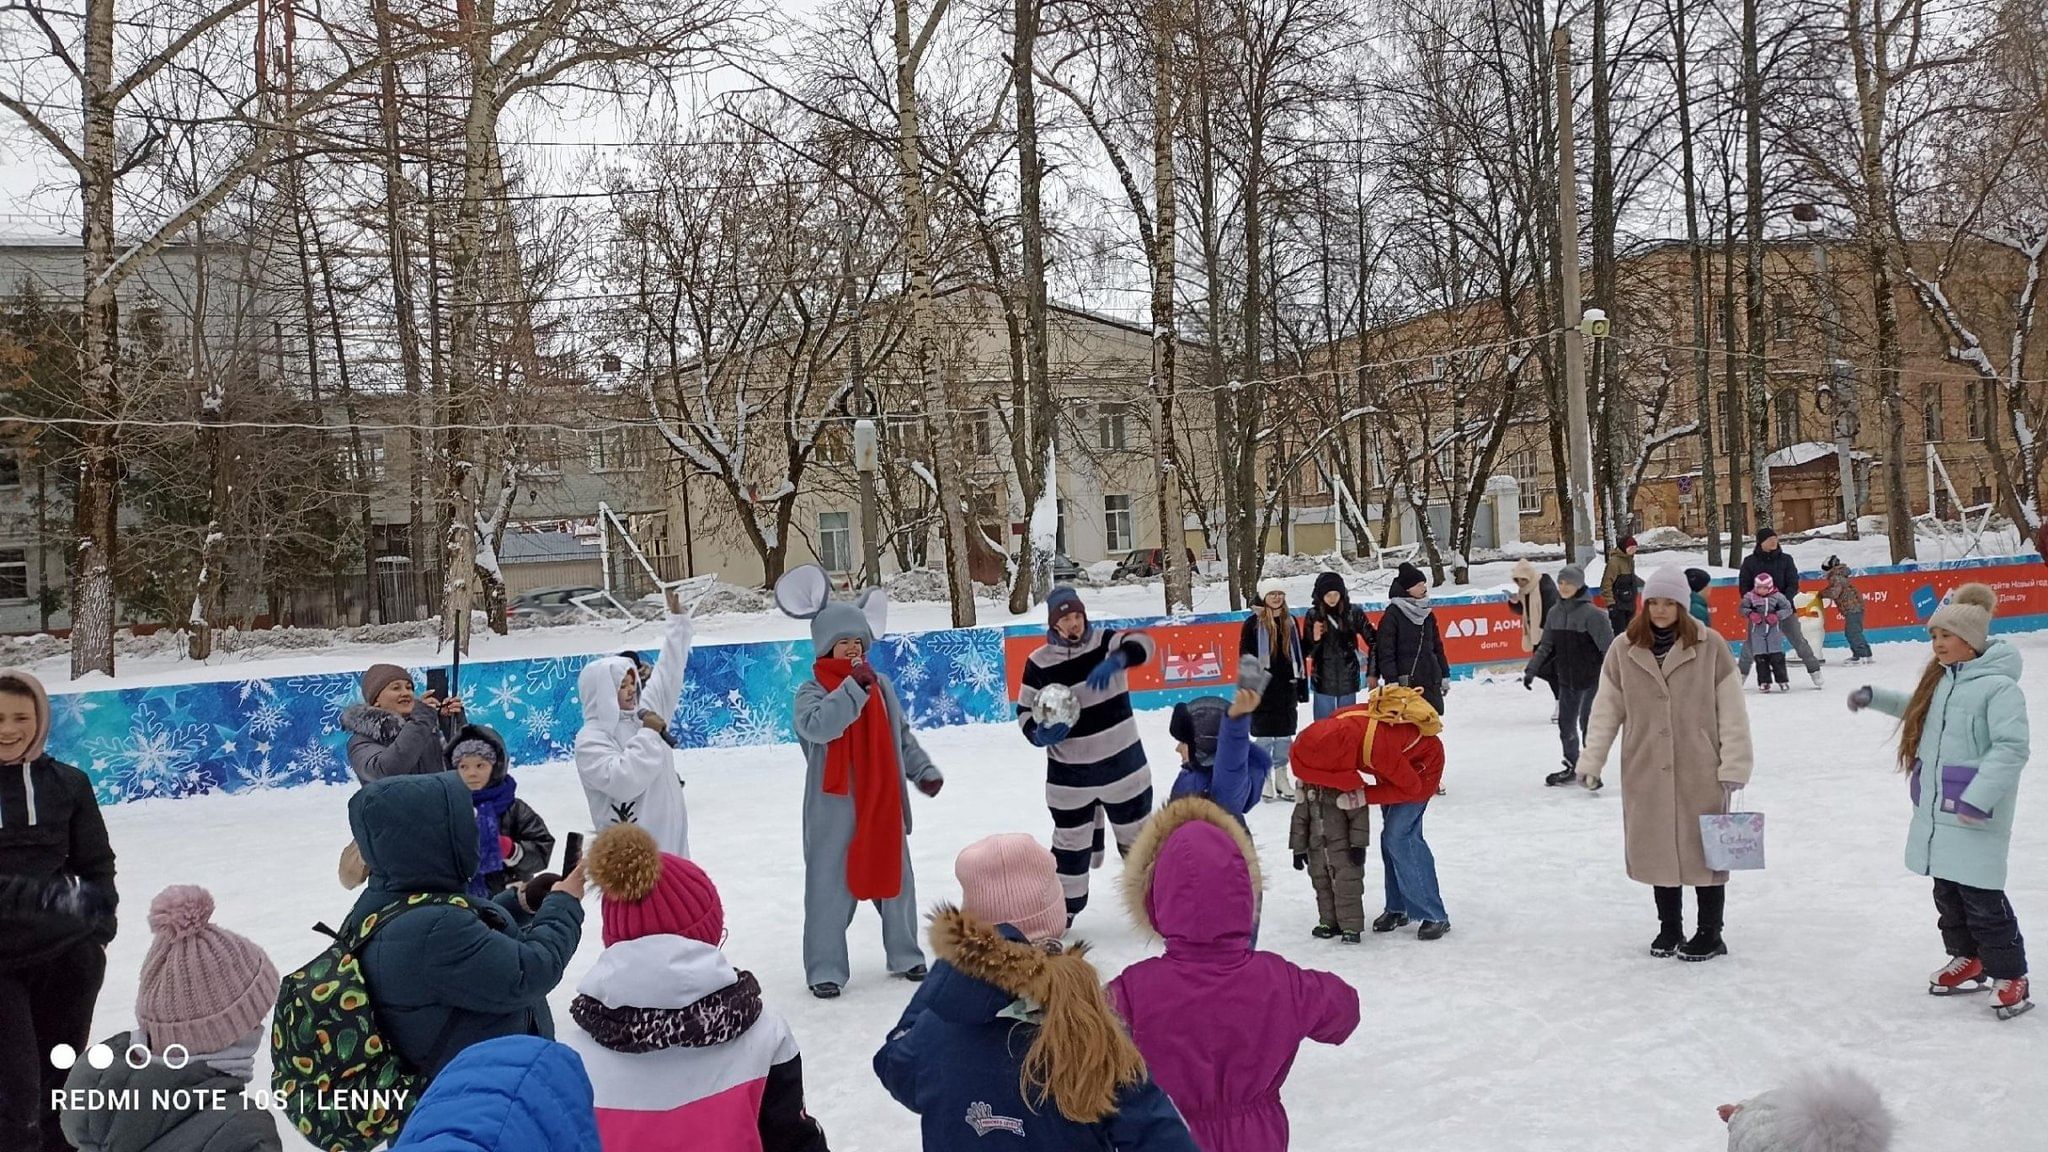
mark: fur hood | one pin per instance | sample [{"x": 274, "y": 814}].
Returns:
[
  {"x": 1210, "y": 894},
  {"x": 1080, "y": 1058},
  {"x": 371, "y": 723}
]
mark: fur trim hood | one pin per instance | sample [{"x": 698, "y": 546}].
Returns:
[
  {"x": 1193, "y": 877},
  {"x": 1080, "y": 1059},
  {"x": 371, "y": 723}
]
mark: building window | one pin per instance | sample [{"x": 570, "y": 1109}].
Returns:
[
  {"x": 1113, "y": 436},
  {"x": 981, "y": 432},
  {"x": 13, "y": 573},
  {"x": 615, "y": 450},
  {"x": 904, "y": 432},
  {"x": 544, "y": 452},
  {"x": 1059, "y": 535},
  {"x": 835, "y": 541},
  {"x": 835, "y": 445},
  {"x": 1787, "y": 405},
  {"x": 10, "y": 468},
  {"x": 1930, "y": 413},
  {"x": 1979, "y": 394},
  {"x": 1117, "y": 535},
  {"x": 1980, "y": 496},
  {"x": 1528, "y": 479},
  {"x": 1726, "y": 427},
  {"x": 1781, "y": 318},
  {"x": 372, "y": 469}
]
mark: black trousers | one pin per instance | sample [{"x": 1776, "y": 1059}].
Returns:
[
  {"x": 1713, "y": 902},
  {"x": 1979, "y": 922},
  {"x": 1771, "y": 667},
  {"x": 40, "y": 1008}
]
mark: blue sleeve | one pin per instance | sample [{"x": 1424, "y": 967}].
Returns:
[
  {"x": 1146, "y": 1121},
  {"x": 1241, "y": 766},
  {"x": 896, "y": 1064}
]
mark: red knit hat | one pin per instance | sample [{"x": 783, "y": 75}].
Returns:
[{"x": 648, "y": 892}]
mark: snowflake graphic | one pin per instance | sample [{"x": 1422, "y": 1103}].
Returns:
[
  {"x": 315, "y": 760},
  {"x": 335, "y": 694},
  {"x": 269, "y": 719},
  {"x": 748, "y": 725},
  {"x": 741, "y": 661},
  {"x": 978, "y": 673},
  {"x": 249, "y": 688},
  {"x": 72, "y": 707},
  {"x": 783, "y": 659},
  {"x": 503, "y": 699},
  {"x": 154, "y": 759},
  {"x": 695, "y": 714},
  {"x": 264, "y": 776}
]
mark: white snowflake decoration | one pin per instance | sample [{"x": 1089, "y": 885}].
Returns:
[
  {"x": 155, "y": 759},
  {"x": 264, "y": 776},
  {"x": 269, "y": 719}
]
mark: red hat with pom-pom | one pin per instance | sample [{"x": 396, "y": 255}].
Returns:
[
  {"x": 648, "y": 892},
  {"x": 202, "y": 987}
]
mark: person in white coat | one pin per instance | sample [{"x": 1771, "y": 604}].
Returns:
[{"x": 628, "y": 770}]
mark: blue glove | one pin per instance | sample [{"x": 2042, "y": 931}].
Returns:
[
  {"x": 1106, "y": 671},
  {"x": 1047, "y": 735}
]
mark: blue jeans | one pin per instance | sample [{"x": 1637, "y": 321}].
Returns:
[
  {"x": 1323, "y": 707},
  {"x": 1574, "y": 714},
  {"x": 1852, "y": 631},
  {"x": 1409, "y": 864}
]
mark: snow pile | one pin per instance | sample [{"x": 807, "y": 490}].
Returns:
[
  {"x": 734, "y": 599},
  {"x": 1664, "y": 537}
]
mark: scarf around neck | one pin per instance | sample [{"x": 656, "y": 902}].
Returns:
[
  {"x": 720, "y": 1018},
  {"x": 1417, "y": 611},
  {"x": 862, "y": 764},
  {"x": 1661, "y": 641},
  {"x": 492, "y": 801}
]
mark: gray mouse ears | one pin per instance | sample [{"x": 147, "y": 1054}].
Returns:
[{"x": 804, "y": 592}]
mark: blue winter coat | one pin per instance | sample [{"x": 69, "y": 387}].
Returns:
[
  {"x": 1238, "y": 774},
  {"x": 512, "y": 1094},
  {"x": 956, "y": 1057},
  {"x": 1969, "y": 761},
  {"x": 443, "y": 978}
]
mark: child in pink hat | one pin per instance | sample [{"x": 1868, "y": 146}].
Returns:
[
  {"x": 200, "y": 1011},
  {"x": 682, "y": 1054},
  {"x": 1010, "y": 878}
]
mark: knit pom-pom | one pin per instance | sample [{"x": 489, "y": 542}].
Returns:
[
  {"x": 1976, "y": 596},
  {"x": 624, "y": 863},
  {"x": 180, "y": 910}
]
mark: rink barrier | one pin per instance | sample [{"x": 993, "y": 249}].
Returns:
[{"x": 177, "y": 740}]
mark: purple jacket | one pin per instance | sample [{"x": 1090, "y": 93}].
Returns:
[{"x": 1193, "y": 878}]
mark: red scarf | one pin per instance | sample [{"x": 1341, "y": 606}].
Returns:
[{"x": 862, "y": 763}]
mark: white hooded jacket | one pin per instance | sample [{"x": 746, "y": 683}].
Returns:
[{"x": 628, "y": 771}]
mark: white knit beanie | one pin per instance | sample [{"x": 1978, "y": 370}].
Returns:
[
  {"x": 1831, "y": 1111},
  {"x": 1668, "y": 584},
  {"x": 1967, "y": 613}
]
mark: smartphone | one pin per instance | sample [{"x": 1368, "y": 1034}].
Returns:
[
  {"x": 437, "y": 683},
  {"x": 572, "y": 851}
]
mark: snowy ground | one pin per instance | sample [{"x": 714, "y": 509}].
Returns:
[
  {"x": 1538, "y": 1024},
  {"x": 167, "y": 665}
]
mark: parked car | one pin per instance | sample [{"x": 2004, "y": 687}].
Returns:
[
  {"x": 1146, "y": 563},
  {"x": 1064, "y": 570},
  {"x": 548, "y": 603}
]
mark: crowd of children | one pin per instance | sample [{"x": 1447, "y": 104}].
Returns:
[{"x": 461, "y": 931}]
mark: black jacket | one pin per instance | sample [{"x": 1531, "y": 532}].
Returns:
[
  {"x": 1279, "y": 711},
  {"x": 1783, "y": 569},
  {"x": 1575, "y": 638},
  {"x": 1336, "y": 660},
  {"x": 532, "y": 843},
  {"x": 1406, "y": 652},
  {"x": 56, "y": 865}
]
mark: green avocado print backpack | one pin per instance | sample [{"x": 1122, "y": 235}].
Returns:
[{"x": 324, "y": 1041}]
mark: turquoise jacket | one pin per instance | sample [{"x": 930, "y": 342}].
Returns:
[{"x": 1969, "y": 762}]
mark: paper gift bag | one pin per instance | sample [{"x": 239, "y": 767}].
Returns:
[{"x": 1734, "y": 841}]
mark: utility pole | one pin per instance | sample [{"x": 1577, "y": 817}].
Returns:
[
  {"x": 865, "y": 450},
  {"x": 1578, "y": 430},
  {"x": 1841, "y": 377}
]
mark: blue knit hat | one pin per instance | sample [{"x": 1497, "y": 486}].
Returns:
[{"x": 1062, "y": 602}]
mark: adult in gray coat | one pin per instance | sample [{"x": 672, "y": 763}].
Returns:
[
  {"x": 394, "y": 731},
  {"x": 1576, "y": 634},
  {"x": 860, "y": 759}
]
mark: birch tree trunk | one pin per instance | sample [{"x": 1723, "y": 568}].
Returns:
[
  {"x": 1702, "y": 358},
  {"x": 467, "y": 276},
  {"x": 1179, "y": 579},
  {"x": 96, "y": 510},
  {"x": 945, "y": 442},
  {"x": 1037, "y": 568},
  {"x": 406, "y": 318},
  {"x": 1753, "y": 269}
]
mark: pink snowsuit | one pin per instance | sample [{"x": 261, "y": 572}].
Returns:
[{"x": 1217, "y": 1021}]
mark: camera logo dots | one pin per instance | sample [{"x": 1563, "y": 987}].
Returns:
[
  {"x": 100, "y": 1056},
  {"x": 64, "y": 1057}
]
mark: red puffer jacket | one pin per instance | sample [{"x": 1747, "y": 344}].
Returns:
[{"x": 1406, "y": 765}]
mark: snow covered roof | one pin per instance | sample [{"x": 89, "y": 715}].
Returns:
[
  {"x": 529, "y": 547},
  {"x": 1805, "y": 453}
]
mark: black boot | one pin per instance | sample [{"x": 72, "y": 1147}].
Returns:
[
  {"x": 1706, "y": 943},
  {"x": 1569, "y": 774},
  {"x": 1670, "y": 922},
  {"x": 1324, "y": 932},
  {"x": 1388, "y": 921}
]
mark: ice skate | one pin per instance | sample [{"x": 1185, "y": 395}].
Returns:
[
  {"x": 1816, "y": 677},
  {"x": 1563, "y": 776},
  {"x": 1961, "y": 975},
  {"x": 1324, "y": 932},
  {"x": 2009, "y": 998}
]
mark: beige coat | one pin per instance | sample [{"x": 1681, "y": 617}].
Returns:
[{"x": 1684, "y": 729}]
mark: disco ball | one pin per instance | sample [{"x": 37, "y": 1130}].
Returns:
[{"x": 1056, "y": 704}]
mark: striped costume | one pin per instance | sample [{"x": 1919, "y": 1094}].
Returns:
[{"x": 1097, "y": 775}]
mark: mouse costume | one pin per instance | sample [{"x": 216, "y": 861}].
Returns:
[{"x": 860, "y": 759}]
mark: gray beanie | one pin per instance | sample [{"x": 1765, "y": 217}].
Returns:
[
  {"x": 1252, "y": 675},
  {"x": 1967, "y": 613},
  {"x": 1572, "y": 574},
  {"x": 1831, "y": 1111}
]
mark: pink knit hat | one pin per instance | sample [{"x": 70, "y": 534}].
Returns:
[
  {"x": 202, "y": 987},
  {"x": 648, "y": 892},
  {"x": 1010, "y": 879}
]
